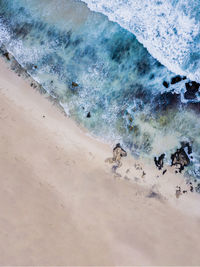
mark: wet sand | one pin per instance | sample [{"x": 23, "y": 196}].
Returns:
[{"x": 62, "y": 205}]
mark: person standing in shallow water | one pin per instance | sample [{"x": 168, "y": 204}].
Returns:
[{"x": 118, "y": 153}]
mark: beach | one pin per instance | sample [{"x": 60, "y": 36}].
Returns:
[{"x": 61, "y": 204}]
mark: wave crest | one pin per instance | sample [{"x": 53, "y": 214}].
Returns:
[{"x": 169, "y": 29}]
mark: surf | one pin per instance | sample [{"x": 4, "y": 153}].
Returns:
[
  {"x": 103, "y": 77},
  {"x": 169, "y": 29}
]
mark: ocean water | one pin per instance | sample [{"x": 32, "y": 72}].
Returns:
[
  {"x": 103, "y": 77},
  {"x": 169, "y": 29}
]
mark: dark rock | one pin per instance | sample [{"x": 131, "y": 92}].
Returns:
[
  {"x": 166, "y": 100},
  {"x": 187, "y": 145},
  {"x": 176, "y": 79},
  {"x": 6, "y": 54},
  {"x": 184, "y": 191},
  {"x": 74, "y": 84},
  {"x": 123, "y": 152},
  {"x": 189, "y": 96},
  {"x": 191, "y": 188},
  {"x": 192, "y": 86},
  {"x": 164, "y": 171},
  {"x": 160, "y": 161},
  {"x": 165, "y": 84},
  {"x": 191, "y": 90},
  {"x": 180, "y": 158},
  {"x": 88, "y": 115}
]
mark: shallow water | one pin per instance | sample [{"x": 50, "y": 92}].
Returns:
[{"x": 103, "y": 77}]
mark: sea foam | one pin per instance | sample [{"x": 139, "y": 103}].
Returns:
[
  {"x": 169, "y": 29},
  {"x": 130, "y": 96}
]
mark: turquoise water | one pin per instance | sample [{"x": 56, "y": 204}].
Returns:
[
  {"x": 168, "y": 28},
  {"x": 102, "y": 76}
]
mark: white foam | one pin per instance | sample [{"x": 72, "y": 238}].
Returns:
[{"x": 169, "y": 29}]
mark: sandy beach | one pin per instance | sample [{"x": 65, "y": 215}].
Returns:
[{"x": 62, "y": 205}]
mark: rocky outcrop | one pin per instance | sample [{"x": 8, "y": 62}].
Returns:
[
  {"x": 191, "y": 90},
  {"x": 180, "y": 158},
  {"x": 176, "y": 79},
  {"x": 160, "y": 161},
  {"x": 165, "y": 84}
]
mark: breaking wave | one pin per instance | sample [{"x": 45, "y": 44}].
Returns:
[
  {"x": 103, "y": 77},
  {"x": 169, "y": 29}
]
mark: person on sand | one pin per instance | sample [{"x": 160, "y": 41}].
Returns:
[{"x": 118, "y": 153}]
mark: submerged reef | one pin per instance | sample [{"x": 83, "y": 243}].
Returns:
[{"x": 103, "y": 77}]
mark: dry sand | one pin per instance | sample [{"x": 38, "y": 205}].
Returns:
[{"x": 61, "y": 204}]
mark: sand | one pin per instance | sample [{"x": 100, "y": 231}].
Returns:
[{"x": 62, "y": 205}]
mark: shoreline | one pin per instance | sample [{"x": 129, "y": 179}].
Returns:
[
  {"x": 14, "y": 66},
  {"x": 59, "y": 196}
]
